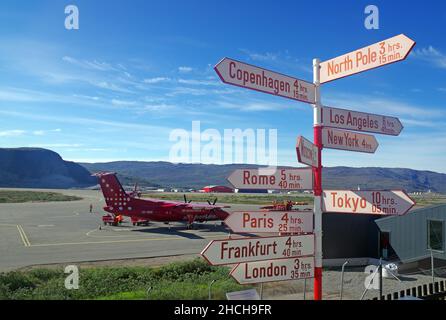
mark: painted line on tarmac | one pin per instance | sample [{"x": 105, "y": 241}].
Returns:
[
  {"x": 88, "y": 234},
  {"x": 23, "y": 236},
  {"x": 118, "y": 241}
]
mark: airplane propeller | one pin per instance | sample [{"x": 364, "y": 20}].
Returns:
[
  {"x": 213, "y": 203},
  {"x": 185, "y": 199}
]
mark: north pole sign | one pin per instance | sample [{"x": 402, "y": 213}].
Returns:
[
  {"x": 274, "y": 270},
  {"x": 231, "y": 251},
  {"x": 360, "y": 121},
  {"x": 307, "y": 152},
  {"x": 376, "y": 55},
  {"x": 347, "y": 140},
  {"x": 395, "y": 202},
  {"x": 270, "y": 222},
  {"x": 272, "y": 179},
  {"x": 251, "y": 77}
]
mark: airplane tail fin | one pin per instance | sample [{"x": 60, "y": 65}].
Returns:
[{"x": 114, "y": 193}]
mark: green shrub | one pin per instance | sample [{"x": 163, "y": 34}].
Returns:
[{"x": 183, "y": 280}]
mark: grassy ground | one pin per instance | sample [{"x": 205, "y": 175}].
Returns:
[
  {"x": 7, "y": 196},
  {"x": 180, "y": 280},
  {"x": 260, "y": 199},
  {"x": 429, "y": 199}
]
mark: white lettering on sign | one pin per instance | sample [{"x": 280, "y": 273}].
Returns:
[
  {"x": 368, "y": 202},
  {"x": 346, "y": 140},
  {"x": 247, "y": 76},
  {"x": 307, "y": 152},
  {"x": 280, "y": 179},
  {"x": 360, "y": 121},
  {"x": 220, "y": 252},
  {"x": 274, "y": 270},
  {"x": 270, "y": 222},
  {"x": 376, "y": 55}
]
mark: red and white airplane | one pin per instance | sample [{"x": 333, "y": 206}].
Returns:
[{"x": 141, "y": 210}]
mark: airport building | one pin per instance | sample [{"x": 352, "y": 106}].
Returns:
[
  {"x": 217, "y": 189},
  {"x": 408, "y": 240}
]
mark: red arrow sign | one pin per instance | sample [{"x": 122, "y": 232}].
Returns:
[
  {"x": 230, "y": 251},
  {"x": 350, "y": 141},
  {"x": 272, "y": 179},
  {"x": 376, "y": 55},
  {"x": 266, "y": 222},
  {"x": 274, "y": 270},
  {"x": 395, "y": 202},
  {"x": 360, "y": 121},
  {"x": 247, "y": 76}
]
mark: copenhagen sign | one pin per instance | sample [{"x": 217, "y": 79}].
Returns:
[
  {"x": 395, "y": 202},
  {"x": 231, "y": 251},
  {"x": 274, "y": 270},
  {"x": 266, "y": 222},
  {"x": 272, "y": 179},
  {"x": 376, "y": 55},
  {"x": 247, "y": 76}
]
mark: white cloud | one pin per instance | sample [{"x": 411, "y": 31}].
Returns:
[
  {"x": 252, "y": 106},
  {"x": 156, "y": 80},
  {"x": 199, "y": 82},
  {"x": 123, "y": 103},
  {"x": 12, "y": 133},
  {"x": 110, "y": 86},
  {"x": 185, "y": 69},
  {"x": 91, "y": 65},
  {"x": 432, "y": 55},
  {"x": 55, "y": 145},
  {"x": 44, "y": 132},
  {"x": 371, "y": 104},
  {"x": 268, "y": 56},
  {"x": 159, "y": 107}
]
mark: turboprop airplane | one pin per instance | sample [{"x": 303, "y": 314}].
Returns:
[{"x": 121, "y": 203}]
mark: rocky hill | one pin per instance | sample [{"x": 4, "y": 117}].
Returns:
[{"x": 40, "y": 168}]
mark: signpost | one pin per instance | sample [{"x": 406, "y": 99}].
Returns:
[
  {"x": 326, "y": 122},
  {"x": 272, "y": 179},
  {"x": 307, "y": 152},
  {"x": 268, "y": 222},
  {"x": 247, "y": 76},
  {"x": 376, "y": 55},
  {"x": 347, "y": 140},
  {"x": 360, "y": 121},
  {"x": 231, "y": 251},
  {"x": 274, "y": 270},
  {"x": 393, "y": 202}
]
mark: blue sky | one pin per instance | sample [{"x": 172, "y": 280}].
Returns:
[{"x": 135, "y": 70}]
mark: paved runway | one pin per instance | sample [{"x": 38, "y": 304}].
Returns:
[{"x": 63, "y": 232}]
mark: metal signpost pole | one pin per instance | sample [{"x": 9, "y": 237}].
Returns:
[
  {"x": 381, "y": 297},
  {"x": 317, "y": 189}
]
